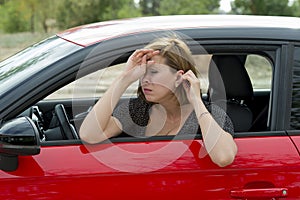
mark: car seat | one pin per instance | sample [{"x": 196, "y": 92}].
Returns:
[{"x": 230, "y": 88}]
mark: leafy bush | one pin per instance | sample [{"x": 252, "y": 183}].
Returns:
[{"x": 13, "y": 20}]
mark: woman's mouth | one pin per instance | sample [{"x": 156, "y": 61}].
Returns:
[{"x": 146, "y": 90}]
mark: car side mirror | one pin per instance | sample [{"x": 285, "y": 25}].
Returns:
[{"x": 18, "y": 137}]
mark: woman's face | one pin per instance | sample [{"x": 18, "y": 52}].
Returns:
[{"x": 158, "y": 83}]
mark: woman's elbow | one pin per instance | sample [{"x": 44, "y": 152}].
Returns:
[
  {"x": 225, "y": 159},
  {"x": 86, "y": 137},
  {"x": 92, "y": 136},
  {"x": 83, "y": 136}
]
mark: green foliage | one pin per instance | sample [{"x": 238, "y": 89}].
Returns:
[
  {"x": 73, "y": 12},
  {"x": 179, "y": 7},
  {"x": 259, "y": 7},
  {"x": 150, "y": 7},
  {"x": 46, "y": 15},
  {"x": 128, "y": 10},
  {"x": 117, "y": 9},
  {"x": 82, "y": 12},
  {"x": 29, "y": 15},
  {"x": 296, "y": 8},
  {"x": 183, "y": 7},
  {"x": 13, "y": 19}
]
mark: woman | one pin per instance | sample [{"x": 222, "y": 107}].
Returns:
[{"x": 169, "y": 102}]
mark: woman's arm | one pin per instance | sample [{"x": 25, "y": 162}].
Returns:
[
  {"x": 219, "y": 144},
  {"x": 99, "y": 124}
]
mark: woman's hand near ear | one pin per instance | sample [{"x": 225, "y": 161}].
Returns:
[
  {"x": 219, "y": 144},
  {"x": 191, "y": 85}
]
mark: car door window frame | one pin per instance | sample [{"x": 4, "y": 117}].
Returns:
[{"x": 269, "y": 50}]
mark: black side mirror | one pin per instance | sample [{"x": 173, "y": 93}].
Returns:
[{"x": 19, "y": 136}]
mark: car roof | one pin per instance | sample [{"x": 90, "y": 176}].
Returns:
[{"x": 89, "y": 34}]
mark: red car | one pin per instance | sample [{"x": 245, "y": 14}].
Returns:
[{"x": 47, "y": 89}]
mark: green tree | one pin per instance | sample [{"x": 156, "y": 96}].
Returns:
[
  {"x": 75, "y": 12},
  {"x": 259, "y": 7},
  {"x": 82, "y": 12},
  {"x": 183, "y": 7},
  {"x": 296, "y": 8},
  {"x": 150, "y": 7},
  {"x": 117, "y": 9},
  {"x": 29, "y": 9},
  {"x": 2, "y": 2},
  {"x": 12, "y": 17},
  {"x": 45, "y": 14},
  {"x": 29, "y": 15},
  {"x": 179, "y": 7},
  {"x": 129, "y": 9}
]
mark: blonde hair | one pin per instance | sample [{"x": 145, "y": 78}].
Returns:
[{"x": 177, "y": 55}]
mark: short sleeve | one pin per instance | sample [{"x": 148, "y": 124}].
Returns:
[
  {"x": 221, "y": 118},
  {"x": 126, "y": 114},
  {"x": 121, "y": 113}
]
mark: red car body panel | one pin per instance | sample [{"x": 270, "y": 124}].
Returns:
[
  {"x": 263, "y": 165},
  {"x": 296, "y": 140}
]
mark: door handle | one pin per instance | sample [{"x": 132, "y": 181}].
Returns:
[{"x": 259, "y": 192}]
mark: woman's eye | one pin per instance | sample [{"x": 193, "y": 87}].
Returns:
[{"x": 153, "y": 71}]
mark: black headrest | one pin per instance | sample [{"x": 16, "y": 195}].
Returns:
[{"x": 228, "y": 74}]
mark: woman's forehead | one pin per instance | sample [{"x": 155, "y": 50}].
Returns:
[
  {"x": 159, "y": 59},
  {"x": 161, "y": 67}
]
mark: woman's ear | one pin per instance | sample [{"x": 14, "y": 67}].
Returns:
[{"x": 179, "y": 74}]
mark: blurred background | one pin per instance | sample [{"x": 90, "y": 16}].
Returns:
[{"x": 25, "y": 22}]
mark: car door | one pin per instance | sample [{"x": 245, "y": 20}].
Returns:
[{"x": 162, "y": 168}]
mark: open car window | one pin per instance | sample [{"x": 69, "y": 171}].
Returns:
[
  {"x": 258, "y": 67},
  {"x": 95, "y": 84}
]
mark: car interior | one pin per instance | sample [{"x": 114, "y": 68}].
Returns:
[
  {"x": 227, "y": 73},
  {"x": 60, "y": 119}
]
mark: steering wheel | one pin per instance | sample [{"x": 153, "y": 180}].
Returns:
[
  {"x": 35, "y": 114},
  {"x": 68, "y": 130}
]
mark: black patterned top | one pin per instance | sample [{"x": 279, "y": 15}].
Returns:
[{"x": 133, "y": 114}]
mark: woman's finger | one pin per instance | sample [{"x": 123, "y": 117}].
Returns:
[
  {"x": 141, "y": 52},
  {"x": 144, "y": 60},
  {"x": 187, "y": 77},
  {"x": 152, "y": 53}
]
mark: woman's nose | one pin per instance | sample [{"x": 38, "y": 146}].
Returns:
[{"x": 145, "y": 79}]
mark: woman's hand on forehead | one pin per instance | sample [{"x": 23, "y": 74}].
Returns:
[
  {"x": 138, "y": 54},
  {"x": 137, "y": 63}
]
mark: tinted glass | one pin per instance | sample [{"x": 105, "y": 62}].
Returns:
[{"x": 295, "y": 111}]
